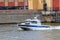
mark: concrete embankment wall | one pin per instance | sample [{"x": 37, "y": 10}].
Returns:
[{"x": 15, "y": 16}]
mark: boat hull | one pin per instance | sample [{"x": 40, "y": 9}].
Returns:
[{"x": 36, "y": 27}]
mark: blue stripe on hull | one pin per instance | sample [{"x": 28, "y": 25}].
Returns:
[{"x": 35, "y": 26}]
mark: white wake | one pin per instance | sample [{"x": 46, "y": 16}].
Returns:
[
  {"x": 51, "y": 28},
  {"x": 57, "y": 27}
]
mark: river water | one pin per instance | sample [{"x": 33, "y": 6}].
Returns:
[{"x": 10, "y": 32}]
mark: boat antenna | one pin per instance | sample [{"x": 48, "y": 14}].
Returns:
[{"x": 36, "y": 16}]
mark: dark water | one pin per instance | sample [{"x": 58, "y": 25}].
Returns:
[{"x": 10, "y": 32}]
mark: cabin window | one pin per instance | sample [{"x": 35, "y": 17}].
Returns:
[{"x": 34, "y": 22}]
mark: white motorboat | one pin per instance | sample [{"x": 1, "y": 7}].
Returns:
[{"x": 33, "y": 24}]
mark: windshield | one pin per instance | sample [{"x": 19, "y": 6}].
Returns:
[{"x": 35, "y": 22}]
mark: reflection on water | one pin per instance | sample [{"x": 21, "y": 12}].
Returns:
[{"x": 10, "y": 32}]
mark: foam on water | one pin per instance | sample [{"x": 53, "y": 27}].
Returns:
[{"x": 57, "y": 27}]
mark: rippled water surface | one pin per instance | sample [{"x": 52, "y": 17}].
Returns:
[{"x": 10, "y": 32}]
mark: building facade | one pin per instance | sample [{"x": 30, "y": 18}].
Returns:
[
  {"x": 35, "y": 4},
  {"x": 13, "y": 4},
  {"x": 50, "y": 4},
  {"x": 30, "y": 4},
  {"x": 56, "y": 4}
]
